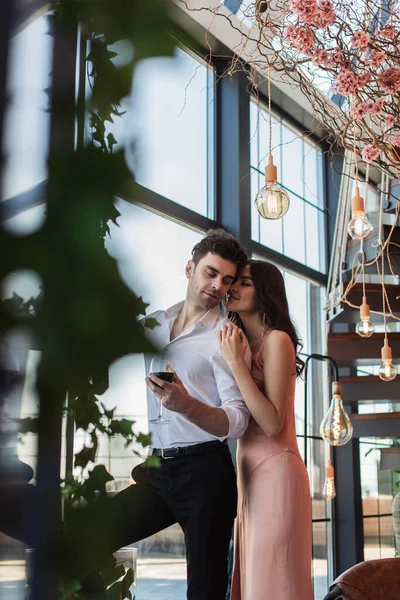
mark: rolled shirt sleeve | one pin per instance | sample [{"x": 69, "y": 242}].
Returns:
[{"x": 232, "y": 402}]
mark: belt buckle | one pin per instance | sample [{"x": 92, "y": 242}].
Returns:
[{"x": 163, "y": 455}]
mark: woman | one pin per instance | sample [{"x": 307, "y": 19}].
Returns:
[{"x": 273, "y": 526}]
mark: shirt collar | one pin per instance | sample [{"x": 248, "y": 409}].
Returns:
[{"x": 209, "y": 319}]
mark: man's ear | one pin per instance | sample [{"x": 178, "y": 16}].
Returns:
[{"x": 189, "y": 269}]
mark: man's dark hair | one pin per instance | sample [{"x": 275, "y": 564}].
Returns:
[{"x": 218, "y": 241}]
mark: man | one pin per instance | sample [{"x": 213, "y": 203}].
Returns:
[{"x": 195, "y": 484}]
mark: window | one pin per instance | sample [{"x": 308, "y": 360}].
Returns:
[
  {"x": 27, "y": 127},
  {"x": 300, "y": 234},
  {"x": 169, "y": 124},
  {"x": 377, "y": 491}
]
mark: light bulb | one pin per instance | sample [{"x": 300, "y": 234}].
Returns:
[
  {"x": 329, "y": 490},
  {"x": 387, "y": 370},
  {"x": 365, "y": 327},
  {"x": 336, "y": 427},
  {"x": 272, "y": 200},
  {"x": 359, "y": 226}
]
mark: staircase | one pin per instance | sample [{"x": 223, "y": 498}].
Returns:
[{"x": 358, "y": 357}]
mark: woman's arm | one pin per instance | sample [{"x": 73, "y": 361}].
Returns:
[{"x": 268, "y": 410}]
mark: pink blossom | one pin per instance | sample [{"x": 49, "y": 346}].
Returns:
[
  {"x": 301, "y": 37},
  {"x": 360, "y": 40},
  {"x": 346, "y": 82},
  {"x": 337, "y": 54},
  {"x": 305, "y": 9},
  {"x": 390, "y": 121},
  {"x": 396, "y": 140},
  {"x": 376, "y": 58},
  {"x": 323, "y": 58},
  {"x": 390, "y": 80},
  {"x": 388, "y": 32},
  {"x": 369, "y": 153},
  {"x": 377, "y": 107},
  {"x": 290, "y": 33},
  {"x": 325, "y": 14},
  {"x": 364, "y": 79},
  {"x": 359, "y": 110}
]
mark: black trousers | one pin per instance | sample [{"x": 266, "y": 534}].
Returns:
[{"x": 197, "y": 491}]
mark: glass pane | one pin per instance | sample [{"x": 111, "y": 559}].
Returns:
[
  {"x": 293, "y": 230},
  {"x": 316, "y": 468},
  {"x": 299, "y": 406},
  {"x": 312, "y": 232},
  {"x": 297, "y": 294},
  {"x": 369, "y": 457},
  {"x": 256, "y": 181},
  {"x": 27, "y": 127},
  {"x": 387, "y": 541},
  {"x": 320, "y": 560},
  {"x": 169, "y": 119},
  {"x": 156, "y": 272},
  {"x": 271, "y": 234},
  {"x": 371, "y": 538},
  {"x": 292, "y": 161},
  {"x": 311, "y": 173}
]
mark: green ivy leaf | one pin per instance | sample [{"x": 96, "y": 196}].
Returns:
[
  {"x": 87, "y": 454},
  {"x": 152, "y": 461},
  {"x": 108, "y": 413},
  {"x": 96, "y": 482},
  {"x": 86, "y": 410},
  {"x": 144, "y": 439},
  {"x": 151, "y": 323},
  {"x": 28, "y": 425},
  {"x": 141, "y": 306},
  {"x": 122, "y": 427},
  {"x": 111, "y": 141}
]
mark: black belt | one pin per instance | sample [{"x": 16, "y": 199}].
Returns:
[{"x": 205, "y": 448}]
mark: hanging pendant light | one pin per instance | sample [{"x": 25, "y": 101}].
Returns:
[
  {"x": 387, "y": 370},
  {"x": 365, "y": 327},
  {"x": 336, "y": 427},
  {"x": 359, "y": 226},
  {"x": 329, "y": 490},
  {"x": 272, "y": 200}
]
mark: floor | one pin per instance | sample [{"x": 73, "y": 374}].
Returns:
[{"x": 157, "y": 579}]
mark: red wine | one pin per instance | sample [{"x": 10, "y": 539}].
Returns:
[{"x": 165, "y": 375}]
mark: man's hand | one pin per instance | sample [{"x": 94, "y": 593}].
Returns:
[{"x": 174, "y": 396}]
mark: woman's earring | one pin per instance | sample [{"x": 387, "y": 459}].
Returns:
[{"x": 263, "y": 320}]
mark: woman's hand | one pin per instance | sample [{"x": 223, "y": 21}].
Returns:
[{"x": 232, "y": 344}]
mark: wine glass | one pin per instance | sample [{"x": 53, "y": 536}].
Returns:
[{"x": 161, "y": 366}]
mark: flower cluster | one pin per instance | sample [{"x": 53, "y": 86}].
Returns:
[
  {"x": 347, "y": 82},
  {"x": 369, "y": 153},
  {"x": 373, "y": 108},
  {"x": 302, "y": 38},
  {"x": 376, "y": 58},
  {"x": 320, "y": 15},
  {"x": 360, "y": 40},
  {"x": 389, "y": 80},
  {"x": 388, "y": 32}
]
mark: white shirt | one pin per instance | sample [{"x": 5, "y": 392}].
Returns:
[{"x": 198, "y": 362}]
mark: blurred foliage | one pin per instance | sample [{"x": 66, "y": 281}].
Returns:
[{"x": 85, "y": 317}]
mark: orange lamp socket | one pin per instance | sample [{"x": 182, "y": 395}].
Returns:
[
  {"x": 329, "y": 471},
  {"x": 271, "y": 172},
  {"x": 357, "y": 203},
  {"x": 386, "y": 352},
  {"x": 364, "y": 309}
]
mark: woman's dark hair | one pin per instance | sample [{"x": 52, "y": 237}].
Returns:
[
  {"x": 272, "y": 303},
  {"x": 219, "y": 241}
]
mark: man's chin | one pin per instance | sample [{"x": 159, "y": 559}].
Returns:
[{"x": 209, "y": 301}]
